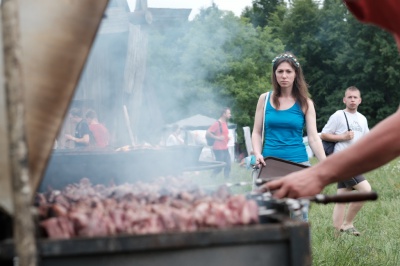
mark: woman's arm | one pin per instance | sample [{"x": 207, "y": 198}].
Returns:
[
  {"x": 313, "y": 138},
  {"x": 379, "y": 146},
  {"x": 85, "y": 139},
  {"x": 256, "y": 136}
]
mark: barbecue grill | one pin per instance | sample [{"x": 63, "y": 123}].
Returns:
[
  {"x": 107, "y": 166},
  {"x": 277, "y": 240},
  {"x": 281, "y": 241}
]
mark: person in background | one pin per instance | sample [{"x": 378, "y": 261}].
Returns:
[
  {"x": 377, "y": 148},
  {"x": 175, "y": 137},
  {"x": 82, "y": 134},
  {"x": 336, "y": 130},
  {"x": 220, "y": 132},
  {"x": 248, "y": 161},
  {"x": 287, "y": 110},
  {"x": 101, "y": 136},
  {"x": 281, "y": 115}
]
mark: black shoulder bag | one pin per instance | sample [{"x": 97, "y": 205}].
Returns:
[
  {"x": 329, "y": 146},
  {"x": 210, "y": 140}
]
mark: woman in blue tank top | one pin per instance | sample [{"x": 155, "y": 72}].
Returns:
[{"x": 282, "y": 114}]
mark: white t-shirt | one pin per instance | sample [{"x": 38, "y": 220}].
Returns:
[{"x": 337, "y": 125}]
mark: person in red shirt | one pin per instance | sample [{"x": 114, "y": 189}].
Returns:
[
  {"x": 99, "y": 131},
  {"x": 377, "y": 148},
  {"x": 219, "y": 131}
]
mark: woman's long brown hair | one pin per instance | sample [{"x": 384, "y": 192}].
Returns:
[{"x": 300, "y": 87}]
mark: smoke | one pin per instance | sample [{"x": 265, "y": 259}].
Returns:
[{"x": 162, "y": 72}]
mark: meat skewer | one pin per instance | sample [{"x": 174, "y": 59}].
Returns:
[{"x": 142, "y": 208}]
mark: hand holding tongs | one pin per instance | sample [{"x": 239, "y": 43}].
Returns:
[{"x": 338, "y": 198}]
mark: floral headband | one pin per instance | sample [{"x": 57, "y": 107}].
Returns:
[{"x": 286, "y": 56}]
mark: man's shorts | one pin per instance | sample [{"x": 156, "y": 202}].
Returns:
[{"x": 351, "y": 182}]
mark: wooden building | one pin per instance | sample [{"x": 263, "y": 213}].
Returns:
[{"x": 115, "y": 72}]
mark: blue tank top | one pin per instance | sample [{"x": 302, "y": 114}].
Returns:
[{"x": 283, "y": 137}]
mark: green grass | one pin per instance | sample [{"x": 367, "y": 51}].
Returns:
[{"x": 378, "y": 221}]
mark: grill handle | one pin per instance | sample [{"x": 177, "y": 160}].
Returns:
[{"x": 343, "y": 198}]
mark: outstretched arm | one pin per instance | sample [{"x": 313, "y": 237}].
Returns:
[
  {"x": 313, "y": 138},
  {"x": 85, "y": 139},
  {"x": 378, "y": 147},
  {"x": 256, "y": 136}
]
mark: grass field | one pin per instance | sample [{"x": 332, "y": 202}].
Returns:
[{"x": 378, "y": 221}]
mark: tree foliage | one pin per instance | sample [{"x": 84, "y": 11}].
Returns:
[
  {"x": 219, "y": 60},
  {"x": 261, "y": 11}
]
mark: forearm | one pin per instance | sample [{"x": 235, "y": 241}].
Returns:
[
  {"x": 256, "y": 136},
  {"x": 315, "y": 144},
  {"x": 314, "y": 141},
  {"x": 84, "y": 140},
  {"x": 378, "y": 147},
  {"x": 257, "y": 143},
  {"x": 331, "y": 137},
  {"x": 216, "y": 137}
]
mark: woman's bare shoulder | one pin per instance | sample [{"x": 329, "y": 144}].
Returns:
[
  {"x": 262, "y": 96},
  {"x": 310, "y": 102},
  {"x": 311, "y": 108}
]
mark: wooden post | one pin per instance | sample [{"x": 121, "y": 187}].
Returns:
[
  {"x": 128, "y": 125},
  {"x": 24, "y": 229}
]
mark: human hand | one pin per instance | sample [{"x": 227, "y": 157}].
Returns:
[
  {"x": 69, "y": 137},
  {"x": 348, "y": 135},
  {"x": 260, "y": 159},
  {"x": 295, "y": 185}
]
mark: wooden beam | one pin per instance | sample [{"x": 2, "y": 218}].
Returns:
[
  {"x": 24, "y": 228},
  {"x": 6, "y": 203},
  {"x": 56, "y": 39}
]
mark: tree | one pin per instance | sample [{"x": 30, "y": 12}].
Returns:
[
  {"x": 371, "y": 61},
  {"x": 324, "y": 72},
  {"x": 220, "y": 60},
  {"x": 261, "y": 10}
]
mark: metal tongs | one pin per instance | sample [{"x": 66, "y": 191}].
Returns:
[
  {"x": 299, "y": 206},
  {"x": 238, "y": 184},
  {"x": 343, "y": 198}
]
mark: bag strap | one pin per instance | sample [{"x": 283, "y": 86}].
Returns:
[
  {"x": 220, "y": 127},
  {"x": 263, "y": 117},
  {"x": 347, "y": 122}
]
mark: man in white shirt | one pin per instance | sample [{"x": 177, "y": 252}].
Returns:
[{"x": 346, "y": 127}]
